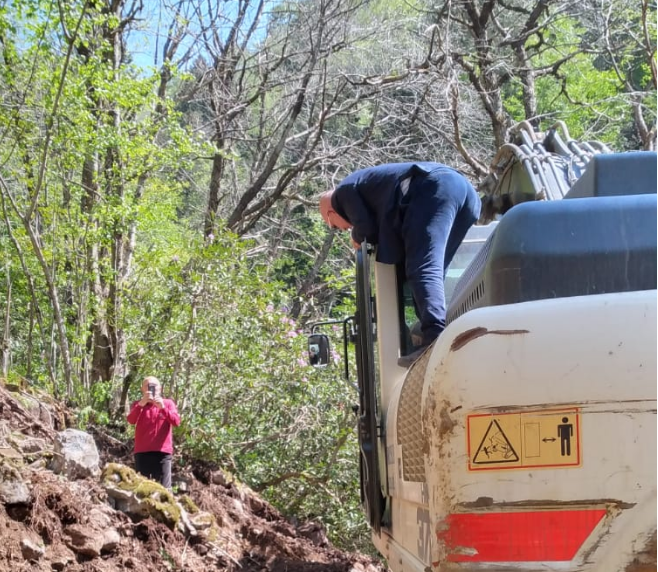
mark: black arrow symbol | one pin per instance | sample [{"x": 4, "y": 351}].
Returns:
[{"x": 547, "y": 439}]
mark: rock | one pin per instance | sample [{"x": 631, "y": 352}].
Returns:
[
  {"x": 201, "y": 549},
  {"x": 202, "y": 520},
  {"x": 75, "y": 455},
  {"x": 138, "y": 496},
  {"x": 111, "y": 540},
  {"x": 219, "y": 478},
  {"x": 13, "y": 489},
  {"x": 60, "y": 563},
  {"x": 84, "y": 540},
  {"x": 237, "y": 506},
  {"x": 31, "y": 550},
  {"x": 99, "y": 519},
  {"x": 185, "y": 525},
  {"x": 359, "y": 567},
  {"x": 32, "y": 445},
  {"x": 14, "y": 492},
  {"x": 181, "y": 482},
  {"x": 94, "y": 537},
  {"x": 37, "y": 410},
  {"x": 61, "y": 557},
  {"x": 315, "y": 532}
]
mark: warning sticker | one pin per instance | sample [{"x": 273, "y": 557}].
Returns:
[{"x": 532, "y": 439}]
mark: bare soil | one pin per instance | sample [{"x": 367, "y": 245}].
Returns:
[{"x": 253, "y": 535}]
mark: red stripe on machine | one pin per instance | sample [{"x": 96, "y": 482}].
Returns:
[{"x": 532, "y": 536}]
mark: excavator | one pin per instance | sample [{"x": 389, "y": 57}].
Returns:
[{"x": 524, "y": 438}]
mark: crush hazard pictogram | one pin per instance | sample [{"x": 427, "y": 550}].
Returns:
[
  {"x": 495, "y": 447},
  {"x": 526, "y": 439}
]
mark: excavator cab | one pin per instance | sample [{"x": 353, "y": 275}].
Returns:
[{"x": 525, "y": 437}]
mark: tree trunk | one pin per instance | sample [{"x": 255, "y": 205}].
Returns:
[{"x": 5, "y": 342}]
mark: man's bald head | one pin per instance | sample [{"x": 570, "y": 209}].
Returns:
[
  {"x": 329, "y": 215},
  {"x": 325, "y": 205}
]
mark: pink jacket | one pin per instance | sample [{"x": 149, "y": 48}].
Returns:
[{"x": 153, "y": 426}]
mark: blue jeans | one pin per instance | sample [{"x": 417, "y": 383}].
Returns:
[{"x": 439, "y": 208}]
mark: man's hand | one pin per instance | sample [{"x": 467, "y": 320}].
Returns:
[
  {"x": 144, "y": 401},
  {"x": 159, "y": 402}
]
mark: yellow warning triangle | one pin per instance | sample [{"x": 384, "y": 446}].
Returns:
[{"x": 495, "y": 447}]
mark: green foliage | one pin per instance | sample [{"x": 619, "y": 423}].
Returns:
[
  {"x": 218, "y": 334},
  {"x": 596, "y": 82},
  {"x": 96, "y": 412}
]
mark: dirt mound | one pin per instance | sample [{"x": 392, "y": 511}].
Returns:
[{"x": 62, "y": 524}]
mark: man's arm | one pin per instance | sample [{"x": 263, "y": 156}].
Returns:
[
  {"x": 135, "y": 412},
  {"x": 348, "y": 200},
  {"x": 171, "y": 413}
]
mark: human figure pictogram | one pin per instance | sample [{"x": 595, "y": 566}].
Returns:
[{"x": 565, "y": 432}]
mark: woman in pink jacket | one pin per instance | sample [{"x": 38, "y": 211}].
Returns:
[{"x": 154, "y": 417}]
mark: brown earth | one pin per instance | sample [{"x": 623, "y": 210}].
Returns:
[{"x": 251, "y": 534}]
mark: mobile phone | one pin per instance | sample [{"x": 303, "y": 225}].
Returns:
[{"x": 151, "y": 390}]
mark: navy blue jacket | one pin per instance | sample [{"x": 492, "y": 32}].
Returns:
[{"x": 369, "y": 199}]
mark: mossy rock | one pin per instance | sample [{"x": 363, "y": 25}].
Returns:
[
  {"x": 160, "y": 502},
  {"x": 188, "y": 504},
  {"x": 206, "y": 526}
]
